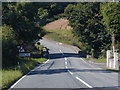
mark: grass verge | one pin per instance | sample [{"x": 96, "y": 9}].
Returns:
[
  {"x": 87, "y": 59},
  {"x": 100, "y": 60},
  {"x": 11, "y": 74},
  {"x": 118, "y": 71}
]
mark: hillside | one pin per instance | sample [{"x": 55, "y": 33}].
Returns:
[
  {"x": 58, "y": 25},
  {"x": 59, "y": 30}
]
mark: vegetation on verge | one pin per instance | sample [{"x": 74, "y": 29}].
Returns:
[
  {"x": 118, "y": 71},
  {"x": 64, "y": 36},
  {"x": 100, "y": 60},
  {"x": 11, "y": 74}
]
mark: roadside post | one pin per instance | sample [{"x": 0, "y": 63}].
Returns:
[{"x": 18, "y": 65}]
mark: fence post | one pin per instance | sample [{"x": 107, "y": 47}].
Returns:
[
  {"x": 115, "y": 64},
  {"x": 108, "y": 57},
  {"x": 18, "y": 65}
]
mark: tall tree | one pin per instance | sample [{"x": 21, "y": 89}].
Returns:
[
  {"x": 21, "y": 16},
  {"x": 86, "y": 20},
  {"x": 111, "y": 19}
]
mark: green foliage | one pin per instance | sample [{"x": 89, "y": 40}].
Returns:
[
  {"x": 111, "y": 19},
  {"x": 64, "y": 36},
  {"x": 18, "y": 25},
  {"x": 87, "y": 59},
  {"x": 39, "y": 47},
  {"x": 43, "y": 13},
  {"x": 100, "y": 60},
  {"x": 26, "y": 64},
  {"x": 9, "y": 76},
  {"x": 21, "y": 17},
  {"x": 8, "y": 46},
  {"x": 111, "y": 16},
  {"x": 85, "y": 18}
]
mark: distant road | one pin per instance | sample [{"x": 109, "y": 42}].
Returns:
[{"x": 65, "y": 69}]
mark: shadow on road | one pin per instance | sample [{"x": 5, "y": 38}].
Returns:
[
  {"x": 59, "y": 55},
  {"x": 57, "y": 71}
]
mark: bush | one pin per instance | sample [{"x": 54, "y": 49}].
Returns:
[{"x": 8, "y": 46}]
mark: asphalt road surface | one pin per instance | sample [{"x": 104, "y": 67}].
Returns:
[{"x": 65, "y": 69}]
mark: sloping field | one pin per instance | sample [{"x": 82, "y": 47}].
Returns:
[
  {"x": 58, "y": 25},
  {"x": 59, "y": 30}
]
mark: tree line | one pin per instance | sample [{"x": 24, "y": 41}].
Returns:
[
  {"x": 22, "y": 24},
  {"x": 93, "y": 23}
]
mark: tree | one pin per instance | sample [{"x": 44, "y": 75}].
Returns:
[
  {"x": 8, "y": 46},
  {"x": 21, "y": 17},
  {"x": 85, "y": 18},
  {"x": 111, "y": 19}
]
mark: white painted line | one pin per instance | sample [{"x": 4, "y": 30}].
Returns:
[
  {"x": 70, "y": 72},
  {"x": 46, "y": 61},
  {"x": 86, "y": 62},
  {"x": 84, "y": 82},
  {"x": 27, "y": 74},
  {"x": 65, "y": 58},
  {"x": 60, "y": 43},
  {"x": 66, "y": 63},
  {"x": 18, "y": 81},
  {"x": 66, "y": 67},
  {"x": 83, "y": 60},
  {"x": 60, "y": 51},
  {"x": 39, "y": 66}
]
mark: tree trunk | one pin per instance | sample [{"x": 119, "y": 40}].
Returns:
[{"x": 113, "y": 42}]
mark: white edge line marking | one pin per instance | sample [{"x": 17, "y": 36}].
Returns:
[
  {"x": 70, "y": 72},
  {"x": 27, "y": 74},
  {"x": 86, "y": 62},
  {"x": 18, "y": 81},
  {"x": 83, "y": 60},
  {"x": 83, "y": 82}
]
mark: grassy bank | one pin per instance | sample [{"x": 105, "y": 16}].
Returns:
[
  {"x": 118, "y": 71},
  {"x": 99, "y": 60},
  {"x": 64, "y": 36},
  {"x": 11, "y": 74}
]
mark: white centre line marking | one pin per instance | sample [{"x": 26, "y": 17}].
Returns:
[
  {"x": 65, "y": 58},
  {"x": 83, "y": 82},
  {"x": 66, "y": 67},
  {"x": 66, "y": 63}
]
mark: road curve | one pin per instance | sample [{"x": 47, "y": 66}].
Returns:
[{"x": 65, "y": 69}]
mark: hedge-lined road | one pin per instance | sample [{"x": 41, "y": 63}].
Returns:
[{"x": 65, "y": 69}]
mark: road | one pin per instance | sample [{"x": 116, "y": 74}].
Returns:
[{"x": 65, "y": 69}]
